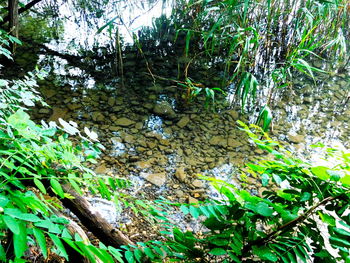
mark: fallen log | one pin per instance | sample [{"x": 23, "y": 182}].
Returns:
[{"x": 93, "y": 221}]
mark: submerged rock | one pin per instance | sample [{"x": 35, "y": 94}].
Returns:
[
  {"x": 183, "y": 121},
  {"x": 198, "y": 183},
  {"x": 58, "y": 113},
  {"x": 232, "y": 142},
  {"x": 101, "y": 169},
  {"x": 74, "y": 106},
  {"x": 296, "y": 138},
  {"x": 234, "y": 114},
  {"x": 165, "y": 110},
  {"x": 218, "y": 140},
  {"x": 97, "y": 116},
  {"x": 124, "y": 122},
  {"x": 48, "y": 93},
  {"x": 157, "y": 179},
  {"x": 111, "y": 101},
  {"x": 180, "y": 174}
]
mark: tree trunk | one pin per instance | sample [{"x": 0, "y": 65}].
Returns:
[
  {"x": 21, "y": 10},
  {"x": 13, "y": 20}
]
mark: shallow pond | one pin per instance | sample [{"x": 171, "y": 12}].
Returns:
[
  {"x": 161, "y": 145},
  {"x": 149, "y": 138}
]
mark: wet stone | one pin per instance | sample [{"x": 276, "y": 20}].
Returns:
[
  {"x": 234, "y": 114},
  {"x": 48, "y": 93},
  {"x": 192, "y": 200},
  {"x": 179, "y": 193},
  {"x": 111, "y": 101},
  {"x": 44, "y": 111},
  {"x": 157, "y": 179},
  {"x": 74, "y": 106},
  {"x": 114, "y": 128},
  {"x": 180, "y": 174},
  {"x": 124, "y": 122},
  {"x": 97, "y": 116},
  {"x": 164, "y": 109},
  {"x": 164, "y": 142},
  {"x": 129, "y": 138},
  {"x": 232, "y": 142},
  {"x": 151, "y": 145},
  {"x": 296, "y": 138},
  {"x": 183, "y": 121},
  {"x": 218, "y": 140},
  {"x": 58, "y": 113},
  {"x": 139, "y": 125},
  {"x": 148, "y": 106},
  {"x": 198, "y": 183},
  {"x": 101, "y": 169}
]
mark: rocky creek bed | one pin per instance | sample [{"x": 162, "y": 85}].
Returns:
[{"x": 162, "y": 148}]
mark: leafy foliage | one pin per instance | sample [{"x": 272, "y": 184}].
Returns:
[
  {"x": 35, "y": 161},
  {"x": 302, "y": 214}
]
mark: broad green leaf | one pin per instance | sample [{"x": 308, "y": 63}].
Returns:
[
  {"x": 76, "y": 187},
  {"x": 59, "y": 245},
  {"x": 285, "y": 195},
  {"x": 277, "y": 179},
  {"x": 320, "y": 172},
  {"x": 330, "y": 220},
  {"x": 87, "y": 252},
  {"x": 205, "y": 211},
  {"x": 341, "y": 241},
  {"x": 40, "y": 238},
  {"x": 301, "y": 253},
  {"x": 149, "y": 253},
  {"x": 50, "y": 225},
  {"x": 188, "y": 38},
  {"x": 217, "y": 251},
  {"x": 263, "y": 209},
  {"x": 40, "y": 185},
  {"x": 305, "y": 197},
  {"x": 68, "y": 127},
  {"x": 138, "y": 255},
  {"x": 219, "y": 242},
  {"x": 129, "y": 256},
  {"x": 16, "y": 213},
  {"x": 20, "y": 241},
  {"x": 12, "y": 224},
  {"x": 265, "y": 253},
  {"x": 265, "y": 179},
  {"x": 3, "y": 82},
  {"x": 345, "y": 179},
  {"x": 56, "y": 186},
  {"x": 105, "y": 257},
  {"x": 2, "y": 254},
  {"x": 184, "y": 209},
  {"x": 341, "y": 231},
  {"x": 15, "y": 40},
  {"x": 72, "y": 244},
  {"x": 116, "y": 253},
  {"x": 194, "y": 212},
  {"x": 104, "y": 189}
]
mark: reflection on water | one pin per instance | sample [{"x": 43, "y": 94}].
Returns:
[
  {"x": 155, "y": 124},
  {"x": 117, "y": 147}
]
